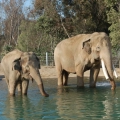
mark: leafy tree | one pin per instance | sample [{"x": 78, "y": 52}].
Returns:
[
  {"x": 84, "y": 16},
  {"x": 35, "y": 37},
  {"x": 27, "y": 37},
  {"x": 13, "y": 15},
  {"x": 113, "y": 17},
  {"x": 49, "y": 23}
]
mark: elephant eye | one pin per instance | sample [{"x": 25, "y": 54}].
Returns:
[
  {"x": 27, "y": 67},
  {"x": 98, "y": 48}
]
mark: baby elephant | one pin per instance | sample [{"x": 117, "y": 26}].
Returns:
[{"x": 20, "y": 67}]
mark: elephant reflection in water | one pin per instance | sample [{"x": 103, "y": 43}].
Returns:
[
  {"x": 79, "y": 105},
  {"x": 23, "y": 108},
  {"x": 69, "y": 106},
  {"x": 17, "y": 107},
  {"x": 109, "y": 105}
]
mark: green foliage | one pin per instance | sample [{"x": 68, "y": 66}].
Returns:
[
  {"x": 6, "y": 48},
  {"x": 27, "y": 36},
  {"x": 40, "y": 36},
  {"x": 54, "y": 21},
  {"x": 113, "y": 17},
  {"x": 45, "y": 23},
  {"x": 84, "y": 16}
]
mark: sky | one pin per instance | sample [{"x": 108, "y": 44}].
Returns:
[{"x": 28, "y": 3}]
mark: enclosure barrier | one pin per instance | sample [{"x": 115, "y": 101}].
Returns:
[{"x": 47, "y": 59}]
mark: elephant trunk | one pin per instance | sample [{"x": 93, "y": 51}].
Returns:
[
  {"x": 109, "y": 72},
  {"x": 36, "y": 76},
  {"x": 41, "y": 88}
]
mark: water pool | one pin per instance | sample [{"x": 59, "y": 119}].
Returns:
[{"x": 68, "y": 103}]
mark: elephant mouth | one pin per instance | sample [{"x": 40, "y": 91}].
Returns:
[
  {"x": 97, "y": 59},
  {"x": 30, "y": 78},
  {"x": 27, "y": 77}
]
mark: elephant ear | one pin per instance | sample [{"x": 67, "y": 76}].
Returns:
[
  {"x": 86, "y": 46},
  {"x": 16, "y": 65},
  {"x": 38, "y": 60}
]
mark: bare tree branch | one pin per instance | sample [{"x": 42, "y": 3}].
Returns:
[{"x": 64, "y": 28}]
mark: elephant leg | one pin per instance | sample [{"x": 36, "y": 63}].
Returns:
[
  {"x": 25, "y": 84},
  {"x": 7, "y": 81},
  {"x": 65, "y": 78},
  {"x": 60, "y": 79},
  {"x": 79, "y": 72},
  {"x": 94, "y": 75},
  {"x": 19, "y": 87},
  {"x": 12, "y": 87},
  {"x": 13, "y": 80},
  {"x": 59, "y": 74},
  {"x": 80, "y": 82}
]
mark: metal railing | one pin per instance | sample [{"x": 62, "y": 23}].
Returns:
[{"x": 48, "y": 60}]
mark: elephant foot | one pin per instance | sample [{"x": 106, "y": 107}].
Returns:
[
  {"x": 42, "y": 91},
  {"x": 12, "y": 94},
  {"x": 92, "y": 86},
  {"x": 45, "y": 95},
  {"x": 60, "y": 86},
  {"x": 25, "y": 94},
  {"x": 113, "y": 87},
  {"x": 80, "y": 87},
  {"x": 65, "y": 85},
  {"x": 19, "y": 93}
]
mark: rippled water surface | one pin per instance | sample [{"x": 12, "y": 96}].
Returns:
[{"x": 68, "y": 103}]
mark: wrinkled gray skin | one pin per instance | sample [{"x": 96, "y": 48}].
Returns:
[
  {"x": 20, "y": 67},
  {"x": 81, "y": 53}
]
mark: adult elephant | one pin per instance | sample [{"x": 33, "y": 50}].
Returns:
[
  {"x": 19, "y": 67},
  {"x": 81, "y": 53}
]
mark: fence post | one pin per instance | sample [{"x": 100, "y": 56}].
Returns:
[
  {"x": 46, "y": 58},
  {"x": 119, "y": 63}
]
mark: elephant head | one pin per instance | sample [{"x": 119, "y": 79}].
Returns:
[
  {"x": 98, "y": 48},
  {"x": 28, "y": 66}
]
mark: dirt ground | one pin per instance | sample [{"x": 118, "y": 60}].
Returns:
[{"x": 50, "y": 72}]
